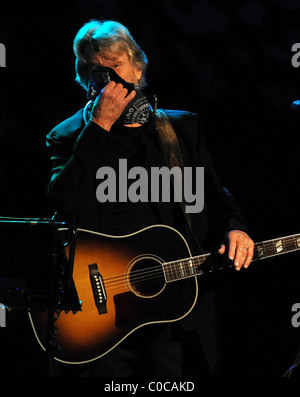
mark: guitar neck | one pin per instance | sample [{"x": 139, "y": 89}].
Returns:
[
  {"x": 278, "y": 246},
  {"x": 197, "y": 265},
  {"x": 184, "y": 268}
]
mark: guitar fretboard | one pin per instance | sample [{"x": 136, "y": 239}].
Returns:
[
  {"x": 277, "y": 246},
  {"x": 184, "y": 268},
  {"x": 191, "y": 267}
]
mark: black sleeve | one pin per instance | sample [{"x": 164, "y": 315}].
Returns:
[{"x": 75, "y": 163}]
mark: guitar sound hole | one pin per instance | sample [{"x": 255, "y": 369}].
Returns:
[{"x": 146, "y": 277}]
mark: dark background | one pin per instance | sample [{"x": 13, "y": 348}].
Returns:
[{"x": 229, "y": 61}]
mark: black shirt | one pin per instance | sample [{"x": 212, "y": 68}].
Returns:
[{"x": 139, "y": 147}]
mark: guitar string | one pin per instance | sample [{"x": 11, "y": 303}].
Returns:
[
  {"x": 181, "y": 269},
  {"x": 180, "y": 266},
  {"x": 186, "y": 262},
  {"x": 140, "y": 273},
  {"x": 142, "y": 280},
  {"x": 153, "y": 272}
]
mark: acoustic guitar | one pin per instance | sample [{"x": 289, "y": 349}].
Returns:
[{"x": 126, "y": 282}]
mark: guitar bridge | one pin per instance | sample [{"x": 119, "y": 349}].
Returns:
[{"x": 98, "y": 288}]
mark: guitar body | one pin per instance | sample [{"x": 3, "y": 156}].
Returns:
[{"x": 133, "y": 291}]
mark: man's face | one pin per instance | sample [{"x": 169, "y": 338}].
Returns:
[{"x": 121, "y": 65}]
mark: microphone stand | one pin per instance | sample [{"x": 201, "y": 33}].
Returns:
[{"x": 59, "y": 293}]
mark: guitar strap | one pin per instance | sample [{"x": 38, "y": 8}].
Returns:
[{"x": 173, "y": 158}]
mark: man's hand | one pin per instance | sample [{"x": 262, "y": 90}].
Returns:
[
  {"x": 110, "y": 104},
  {"x": 240, "y": 248}
]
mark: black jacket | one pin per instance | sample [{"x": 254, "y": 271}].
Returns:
[{"x": 77, "y": 152}]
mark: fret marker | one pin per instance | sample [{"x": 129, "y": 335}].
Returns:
[
  {"x": 279, "y": 246},
  {"x": 191, "y": 266},
  {"x": 182, "y": 269},
  {"x": 298, "y": 242},
  {"x": 260, "y": 250}
]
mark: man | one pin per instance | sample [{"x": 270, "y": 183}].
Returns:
[{"x": 119, "y": 123}]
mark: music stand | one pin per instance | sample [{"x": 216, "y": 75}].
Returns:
[{"x": 35, "y": 272}]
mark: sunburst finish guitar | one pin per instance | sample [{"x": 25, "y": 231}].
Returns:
[{"x": 125, "y": 282}]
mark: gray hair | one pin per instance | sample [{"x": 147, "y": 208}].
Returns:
[{"x": 101, "y": 38}]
